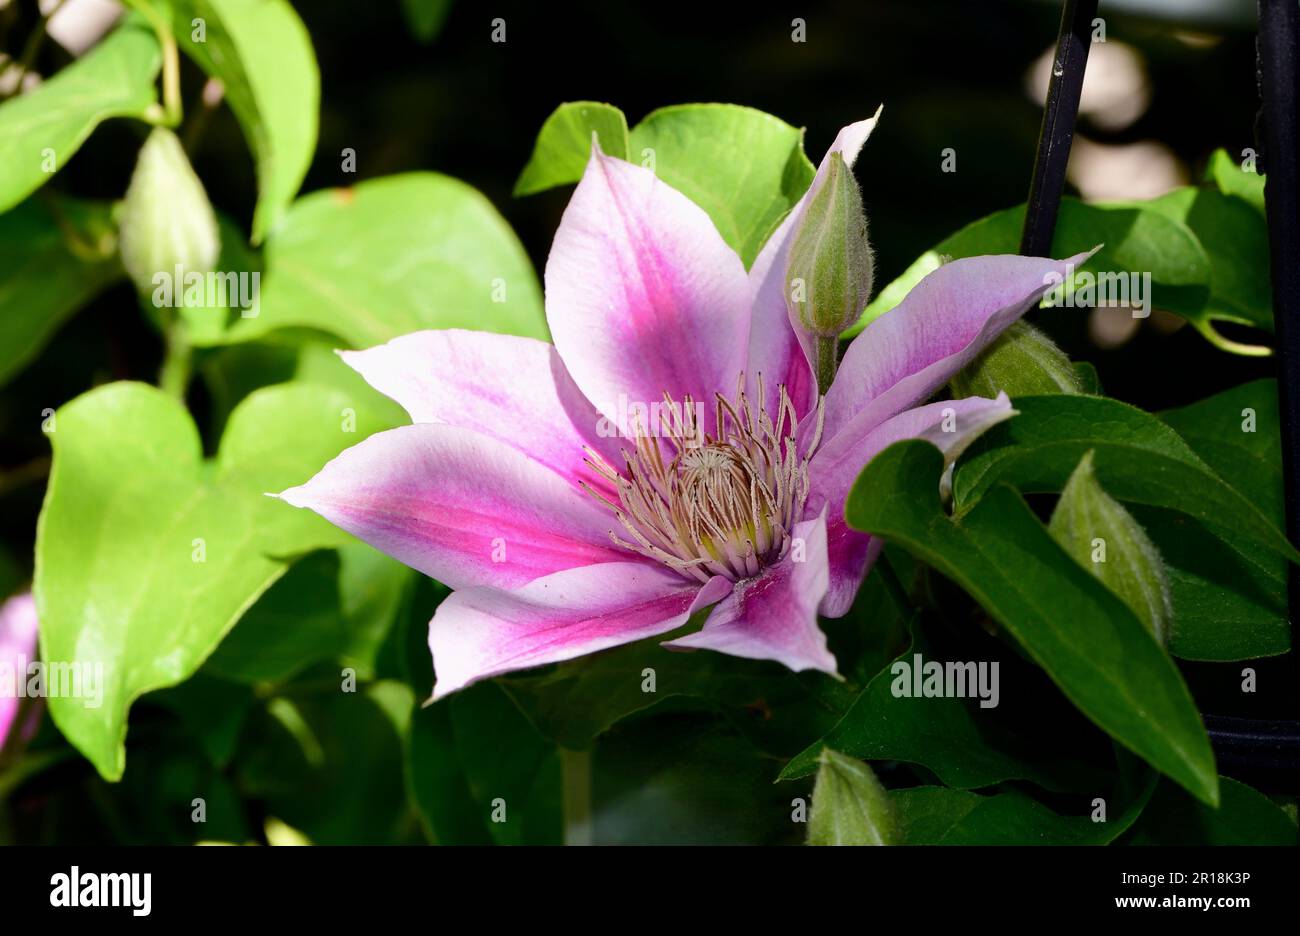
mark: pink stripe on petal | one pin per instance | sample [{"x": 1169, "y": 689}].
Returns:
[
  {"x": 902, "y": 358},
  {"x": 459, "y": 506},
  {"x": 513, "y": 389},
  {"x": 773, "y": 616},
  {"x": 951, "y": 425},
  {"x": 481, "y": 632},
  {"x": 642, "y": 294},
  {"x": 774, "y": 349}
]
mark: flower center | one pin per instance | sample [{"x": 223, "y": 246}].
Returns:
[{"x": 706, "y": 505}]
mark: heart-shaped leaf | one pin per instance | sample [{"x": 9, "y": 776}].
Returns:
[{"x": 147, "y": 555}]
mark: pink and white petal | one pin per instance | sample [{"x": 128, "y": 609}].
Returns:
[
  {"x": 459, "y": 506},
  {"x": 948, "y": 318},
  {"x": 773, "y": 616},
  {"x": 481, "y": 632},
  {"x": 774, "y": 349},
  {"x": 511, "y": 388},
  {"x": 18, "y": 628},
  {"x": 951, "y": 425},
  {"x": 643, "y": 295}
]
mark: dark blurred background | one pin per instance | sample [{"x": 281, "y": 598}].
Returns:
[{"x": 1173, "y": 81}]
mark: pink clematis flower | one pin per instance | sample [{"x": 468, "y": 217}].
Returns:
[
  {"x": 562, "y": 537},
  {"x": 17, "y": 648}
]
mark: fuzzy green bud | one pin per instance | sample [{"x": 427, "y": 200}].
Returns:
[
  {"x": 167, "y": 222},
  {"x": 828, "y": 278},
  {"x": 1104, "y": 538},
  {"x": 850, "y": 806},
  {"x": 1022, "y": 362}
]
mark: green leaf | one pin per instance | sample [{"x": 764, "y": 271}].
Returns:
[
  {"x": 946, "y": 735},
  {"x": 685, "y": 778},
  {"x": 513, "y": 773},
  {"x": 849, "y": 805},
  {"x": 563, "y": 144},
  {"x": 1237, "y": 433},
  {"x": 393, "y": 256},
  {"x": 579, "y": 700},
  {"x": 1218, "y": 532},
  {"x": 745, "y": 168},
  {"x": 1244, "y": 817},
  {"x": 330, "y": 764},
  {"x": 1231, "y": 179},
  {"x": 1104, "y": 538},
  {"x": 1235, "y": 237},
  {"x": 1138, "y": 459},
  {"x": 1134, "y": 238},
  {"x": 42, "y": 129},
  {"x": 1083, "y": 637},
  {"x": 436, "y": 779},
  {"x": 940, "y": 816},
  {"x": 742, "y": 166},
  {"x": 146, "y": 556},
  {"x": 59, "y": 254},
  {"x": 260, "y": 52},
  {"x": 1226, "y": 609}
]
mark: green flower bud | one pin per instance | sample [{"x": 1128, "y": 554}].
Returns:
[
  {"x": 1104, "y": 538},
  {"x": 166, "y": 218},
  {"x": 1022, "y": 362},
  {"x": 828, "y": 279},
  {"x": 850, "y": 806}
]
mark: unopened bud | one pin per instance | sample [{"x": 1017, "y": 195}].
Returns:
[
  {"x": 828, "y": 279},
  {"x": 166, "y": 220},
  {"x": 850, "y": 806},
  {"x": 1106, "y": 540},
  {"x": 1023, "y": 362}
]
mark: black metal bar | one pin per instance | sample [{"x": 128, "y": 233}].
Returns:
[
  {"x": 1057, "y": 133},
  {"x": 1262, "y": 752},
  {"x": 1279, "y": 68}
]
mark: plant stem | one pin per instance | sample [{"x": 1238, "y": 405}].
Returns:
[
  {"x": 828, "y": 353},
  {"x": 171, "y": 64},
  {"x": 174, "y": 376},
  {"x": 575, "y": 778}
]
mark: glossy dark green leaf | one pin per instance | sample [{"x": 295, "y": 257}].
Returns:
[
  {"x": 1084, "y": 638},
  {"x": 1226, "y": 608},
  {"x": 1244, "y": 817},
  {"x": 512, "y": 771},
  {"x": 146, "y": 556},
  {"x": 945, "y": 735},
  {"x": 1235, "y": 238},
  {"x": 1218, "y": 532},
  {"x": 688, "y": 778},
  {"x": 940, "y": 816},
  {"x": 1134, "y": 238}
]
